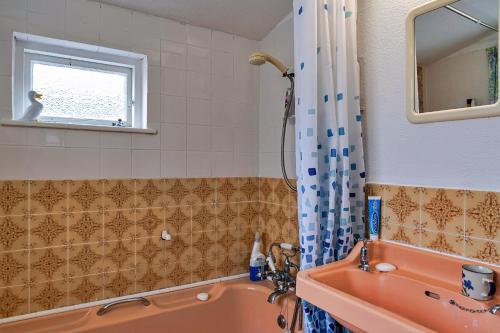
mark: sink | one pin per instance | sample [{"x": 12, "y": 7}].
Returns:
[{"x": 413, "y": 298}]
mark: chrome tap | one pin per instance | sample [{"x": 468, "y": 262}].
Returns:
[
  {"x": 494, "y": 309},
  {"x": 364, "y": 265}
]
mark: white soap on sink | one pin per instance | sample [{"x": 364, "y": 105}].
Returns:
[
  {"x": 385, "y": 267},
  {"x": 202, "y": 297}
]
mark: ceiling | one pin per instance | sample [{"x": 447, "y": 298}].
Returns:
[
  {"x": 247, "y": 18},
  {"x": 441, "y": 32}
]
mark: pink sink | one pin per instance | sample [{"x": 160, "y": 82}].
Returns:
[{"x": 413, "y": 298}]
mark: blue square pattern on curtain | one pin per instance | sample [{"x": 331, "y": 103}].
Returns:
[{"x": 330, "y": 165}]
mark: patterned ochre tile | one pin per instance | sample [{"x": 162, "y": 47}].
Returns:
[
  {"x": 204, "y": 256},
  {"x": 85, "y": 227},
  {"x": 48, "y": 196},
  {"x": 483, "y": 215},
  {"x": 443, "y": 210},
  {"x": 150, "y": 193},
  {"x": 85, "y": 259},
  {"x": 201, "y": 190},
  {"x": 150, "y": 278},
  {"x": 150, "y": 251},
  {"x": 119, "y": 283},
  {"x": 179, "y": 247},
  {"x": 48, "y": 230},
  {"x": 484, "y": 250},
  {"x": 119, "y": 256},
  {"x": 119, "y": 194},
  {"x": 150, "y": 222},
  {"x": 119, "y": 225},
  {"x": 442, "y": 242},
  {"x": 177, "y": 272},
  {"x": 178, "y": 219},
  {"x": 13, "y": 197},
  {"x": 249, "y": 188},
  {"x": 176, "y": 192},
  {"x": 13, "y": 301},
  {"x": 85, "y": 195},
  {"x": 203, "y": 218},
  {"x": 248, "y": 213},
  {"x": 13, "y": 233},
  {"x": 48, "y": 295},
  {"x": 402, "y": 205},
  {"x": 227, "y": 216},
  {"x": 265, "y": 189},
  {"x": 402, "y": 234},
  {"x": 228, "y": 190},
  {"x": 85, "y": 289},
  {"x": 280, "y": 193},
  {"x": 13, "y": 268},
  {"x": 48, "y": 264}
]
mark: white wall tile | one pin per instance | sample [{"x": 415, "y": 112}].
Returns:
[
  {"x": 198, "y": 85},
  {"x": 146, "y": 163},
  {"x": 173, "y": 109},
  {"x": 154, "y": 80},
  {"x": 13, "y": 135},
  {"x": 116, "y": 163},
  {"x": 173, "y": 55},
  {"x": 198, "y": 164},
  {"x": 5, "y": 92},
  {"x": 222, "y": 139},
  {"x": 154, "y": 108},
  {"x": 198, "y": 138},
  {"x": 82, "y": 163},
  {"x": 174, "y": 31},
  {"x": 173, "y": 137},
  {"x": 173, "y": 81},
  {"x": 173, "y": 164},
  {"x": 222, "y": 114},
  {"x": 147, "y": 141},
  {"x": 199, "y": 36},
  {"x": 81, "y": 139},
  {"x": 223, "y": 89},
  {"x": 45, "y": 137},
  {"x": 246, "y": 165},
  {"x": 223, "y": 41},
  {"x": 198, "y": 111},
  {"x": 115, "y": 140},
  {"x": 15, "y": 162},
  {"x": 198, "y": 59},
  {"x": 5, "y": 58},
  {"x": 223, "y": 164},
  {"x": 222, "y": 64}
]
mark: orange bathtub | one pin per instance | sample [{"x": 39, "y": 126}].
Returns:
[{"x": 236, "y": 306}]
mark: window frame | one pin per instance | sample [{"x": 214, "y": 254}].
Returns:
[{"x": 28, "y": 48}]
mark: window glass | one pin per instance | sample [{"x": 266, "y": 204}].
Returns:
[{"x": 80, "y": 93}]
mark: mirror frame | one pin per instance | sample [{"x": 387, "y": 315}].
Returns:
[{"x": 483, "y": 111}]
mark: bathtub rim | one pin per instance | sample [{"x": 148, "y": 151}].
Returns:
[{"x": 109, "y": 300}]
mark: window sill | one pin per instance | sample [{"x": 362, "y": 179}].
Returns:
[{"x": 19, "y": 123}]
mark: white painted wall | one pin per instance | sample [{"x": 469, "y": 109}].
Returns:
[
  {"x": 279, "y": 43},
  {"x": 203, "y": 98},
  {"x": 464, "y": 74},
  {"x": 450, "y": 154}
]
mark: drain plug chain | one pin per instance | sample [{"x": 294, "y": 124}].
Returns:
[{"x": 463, "y": 308}]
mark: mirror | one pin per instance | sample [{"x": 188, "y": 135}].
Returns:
[{"x": 453, "y": 60}]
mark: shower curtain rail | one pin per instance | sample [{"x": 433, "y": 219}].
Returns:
[{"x": 469, "y": 17}]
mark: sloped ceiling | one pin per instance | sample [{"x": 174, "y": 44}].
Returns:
[
  {"x": 442, "y": 32},
  {"x": 248, "y": 18}
]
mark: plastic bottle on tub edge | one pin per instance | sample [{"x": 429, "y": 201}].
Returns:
[{"x": 257, "y": 260}]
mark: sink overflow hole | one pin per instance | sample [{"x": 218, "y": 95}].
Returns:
[{"x": 432, "y": 295}]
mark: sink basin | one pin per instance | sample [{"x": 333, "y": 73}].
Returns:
[{"x": 413, "y": 298}]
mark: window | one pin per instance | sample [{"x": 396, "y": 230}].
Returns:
[{"x": 81, "y": 84}]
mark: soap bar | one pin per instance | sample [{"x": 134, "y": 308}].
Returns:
[
  {"x": 385, "y": 267},
  {"x": 202, "y": 297}
]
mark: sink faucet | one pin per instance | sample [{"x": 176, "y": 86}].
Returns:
[
  {"x": 364, "y": 265},
  {"x": 494, "y": 309}
]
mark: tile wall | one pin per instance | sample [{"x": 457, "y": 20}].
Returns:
[
  {"x": 71, "y": 242},
  {"x": 203, "y": 98},
  {"x": 455, "y": 221}
]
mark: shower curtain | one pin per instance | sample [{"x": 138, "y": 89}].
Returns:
[{"x": 330, "y": 166}]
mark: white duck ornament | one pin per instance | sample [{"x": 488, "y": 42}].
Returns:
[{"x": 35, "y": 109}]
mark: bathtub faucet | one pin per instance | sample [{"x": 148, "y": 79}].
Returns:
[{"x": 283, "y": 280}]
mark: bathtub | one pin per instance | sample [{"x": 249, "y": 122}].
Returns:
[{"x": 236, "y": 306}]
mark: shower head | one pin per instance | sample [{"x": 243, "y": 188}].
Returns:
[{"x": 260, "y": 58}]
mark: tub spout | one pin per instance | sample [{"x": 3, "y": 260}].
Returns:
[{"x": 273, "y": 296}]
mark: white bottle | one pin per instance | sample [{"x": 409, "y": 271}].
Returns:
[{"x": 257, "y": 260}]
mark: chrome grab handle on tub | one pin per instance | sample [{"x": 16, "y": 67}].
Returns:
[{"x": 107, "y": 307}]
